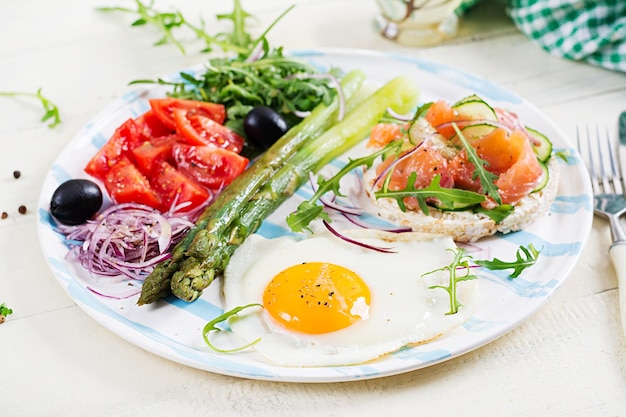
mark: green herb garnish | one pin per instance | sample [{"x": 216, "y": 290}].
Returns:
[
  {"x": 460, "y": 263},
  {"x": 4, "y": 312},
  {"x": 238, "y": 40},
  {"x": 486, "y": 178},
  {"x": 289, "y": 86},
  {"x": 51, "y": 110},
  {"x": 447, "y": 198},
  {"x": 525, "y": 258},
  {"x": 212, "y": 326},
  {"x": 497, "y": 214}
]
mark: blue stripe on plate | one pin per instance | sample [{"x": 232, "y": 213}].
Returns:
[
  {"x": 547, "y": 248},
  {"x": 200, "y": 308},
  {"x": 570, "y": 204}
]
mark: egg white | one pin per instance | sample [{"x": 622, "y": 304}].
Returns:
[{"x": 403, "y": 309}]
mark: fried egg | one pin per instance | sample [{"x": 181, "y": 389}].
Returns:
[{"x": 328, "y": 302}]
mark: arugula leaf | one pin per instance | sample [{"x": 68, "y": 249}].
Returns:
[
  {"x": 460, "y": 262},
  {"x": 51, "y": 110},
  {"x": 4, "y": 312},
  {"x": 497, "y": 214},
  {"x": 525, "y": 258},
  {"x": 421, "y": 111},
  {"x": 238, "y": 41},
  {"x": 308, "y": 210},
  {"x": 147, "y": 15},
  {"x": 238, "y": 36},
  {"x": 212, "y": 326},
  {"x": 447, "y": 198},
  {"x": 486, "y": 178}
]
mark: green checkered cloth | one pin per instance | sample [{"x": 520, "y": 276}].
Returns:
[{"x": 592, "y": 31}]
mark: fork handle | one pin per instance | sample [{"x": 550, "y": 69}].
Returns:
[{"x": 617, "y": 252}]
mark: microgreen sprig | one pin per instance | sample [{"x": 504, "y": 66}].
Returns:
[
  {"x": 524, "y": 258},
  {"x": 486, "y": 178},
  {"x": 4, "y": 312},
  {"x": 446, "y": 198},
  {"x": 238, "y": 40},
  {"x": 212, "y": 327},
  {"x": 147, "y": 15},
  {"x": 461, "y": 262},
  {"x": 51, "y": 114}
]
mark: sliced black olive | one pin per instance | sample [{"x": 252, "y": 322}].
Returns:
[
  {"x": 264, "y": 126},
  {"x": 75, "y": 201}
]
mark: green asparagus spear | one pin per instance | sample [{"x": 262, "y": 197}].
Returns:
[
  {"x": 197, "y": 273},
  {"x": 221, "y": 212}
]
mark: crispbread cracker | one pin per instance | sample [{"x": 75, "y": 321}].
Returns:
[{"x": 465, "y": 226}]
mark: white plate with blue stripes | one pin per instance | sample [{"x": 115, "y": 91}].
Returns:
[{"x": 173, "y": 329}]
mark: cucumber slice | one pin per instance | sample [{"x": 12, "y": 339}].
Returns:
[
  {"x": 544, "y": 178},
  {"x": 541, "y": 145},
  {"x": 474, "y": 108},
  {"x": 473, "y": 132},
  {"x": 473, "y": 97}
]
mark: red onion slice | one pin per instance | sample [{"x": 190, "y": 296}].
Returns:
[
  {"x": 356, "y": 242},
  {"x": 125, "y": 239}
]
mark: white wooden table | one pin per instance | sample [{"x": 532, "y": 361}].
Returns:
[{"x": 569, "y": 359}]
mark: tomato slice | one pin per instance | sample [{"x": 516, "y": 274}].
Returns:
[
  {"x": 163, "y": 108},
  {"x": 125, "y": 138},
  {"x": 212, "y": 167},
  {"x": 199, "y": 129},
  {"x": 150, "y": 126},
  {"x": 175, "y": 188},
  {"x": 149, "y": 155},
  {"x": 125, "y": 184}
]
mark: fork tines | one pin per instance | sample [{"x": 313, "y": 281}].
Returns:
[{"x": 600, "y": 155}]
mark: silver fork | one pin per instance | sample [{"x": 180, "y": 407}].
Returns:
[{"x": 609, "y": 191}]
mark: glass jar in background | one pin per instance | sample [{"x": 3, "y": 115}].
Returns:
[{"x": 418, "y": 22}]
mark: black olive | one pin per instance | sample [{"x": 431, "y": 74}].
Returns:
[
  {"x": 264, "y": 126},
  {"x": 75, "y": 201}
]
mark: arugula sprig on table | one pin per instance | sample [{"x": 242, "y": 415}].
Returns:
[
  {"x": 238, "y": 40},
  {"x": 4, "y": 312},
  {"x": 51, "y": 114}
]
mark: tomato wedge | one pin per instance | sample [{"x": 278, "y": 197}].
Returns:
[
  {"x": 125, "y": 184},
  {"x": 124, "y": 139},
  {"x": 212, "y": 167},
  {"x": 163, "y": 109},
  {"x": 150, "y": 126},
  {"x": 198, "y": 129},
  {"x": 175, "y": 189},
  {"x": 149, "y": 155}
]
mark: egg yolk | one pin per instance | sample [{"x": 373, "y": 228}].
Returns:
[{"x": 317, "y": 297}]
